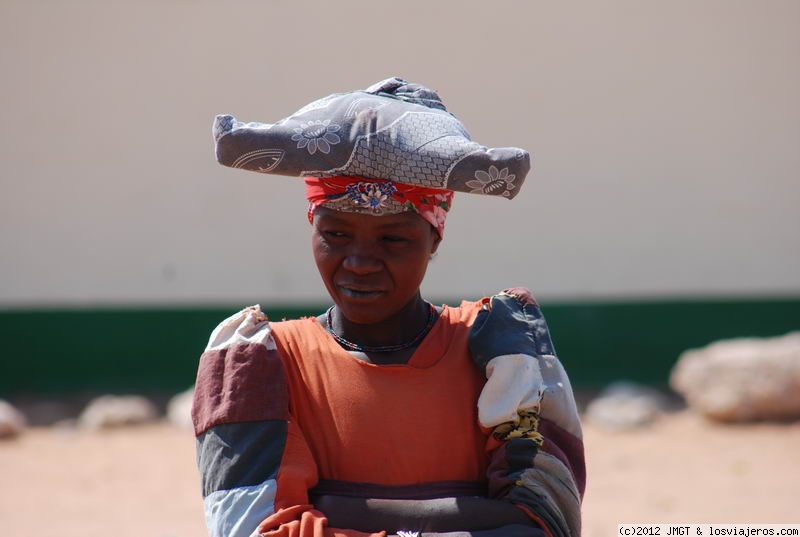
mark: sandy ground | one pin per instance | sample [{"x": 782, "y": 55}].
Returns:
[{"x": 141, "y": 481}]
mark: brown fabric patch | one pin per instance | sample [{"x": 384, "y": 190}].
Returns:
[{"x": 240, "y": 383}]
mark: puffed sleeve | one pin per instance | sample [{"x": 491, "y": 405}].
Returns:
[
  {"x": 254, "y": 462},
  {"x": 537, "y": 457}
]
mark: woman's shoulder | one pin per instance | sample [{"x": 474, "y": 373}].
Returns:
[
  {"x": 252, "y": 326},
  {"x": 240, "y": 377},
  {"x": 510, "y": 304},
  {"x": 248, "y": 326},
  {"x": 508, "y": 322},
  {"x": 520, "y": 297}
]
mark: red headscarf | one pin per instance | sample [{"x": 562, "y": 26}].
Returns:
[{"x": 377, "y": 196}]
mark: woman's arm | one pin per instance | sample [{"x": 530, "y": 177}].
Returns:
[
  {"x": 537, "y": 458},
  {"x": 437, "y": 515},
  {"x": 254, "y": 461}
]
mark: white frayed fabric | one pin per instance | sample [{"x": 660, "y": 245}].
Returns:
[
  {"x": 514, "y": 384},
  {"x": 249, "y": 326}
]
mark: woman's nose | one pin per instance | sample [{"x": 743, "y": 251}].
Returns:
[{"x": 362, "y": 261}]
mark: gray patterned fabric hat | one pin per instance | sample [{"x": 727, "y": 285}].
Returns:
[{"x": 394, "y": 130}]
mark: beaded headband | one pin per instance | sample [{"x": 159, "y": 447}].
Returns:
[{"x": 358, "y": 195}]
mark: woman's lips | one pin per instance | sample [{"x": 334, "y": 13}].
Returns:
[{"x": 360, "y": 292}]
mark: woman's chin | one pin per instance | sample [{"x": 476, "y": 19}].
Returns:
[
  {"x": 365, "y": 310},
  {"x": 362, "y": 315}
]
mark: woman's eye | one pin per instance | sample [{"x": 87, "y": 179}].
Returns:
[
  {"x": 333, "y": 234},
  {"x": 395, "y": 238}
]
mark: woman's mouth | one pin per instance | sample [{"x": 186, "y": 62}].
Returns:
[{"x": 360, "y": 293}]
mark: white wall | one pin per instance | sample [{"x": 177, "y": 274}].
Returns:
[{"x": 665, "y": 136}]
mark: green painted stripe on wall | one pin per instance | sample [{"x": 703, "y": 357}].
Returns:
[{"x": 156, "y": 350}]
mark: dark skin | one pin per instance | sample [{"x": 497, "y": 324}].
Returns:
[{"x": 373, "y": 267}]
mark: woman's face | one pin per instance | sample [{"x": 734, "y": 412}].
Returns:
[{"x": 372, "y": 266}]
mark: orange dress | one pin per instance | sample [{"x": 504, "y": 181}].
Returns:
[{"x": 282, "y": 413}]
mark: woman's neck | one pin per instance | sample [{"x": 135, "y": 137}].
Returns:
[{"x": 397, "y": 330}]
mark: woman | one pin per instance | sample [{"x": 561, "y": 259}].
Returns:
[{"x": 385, "y": 414}]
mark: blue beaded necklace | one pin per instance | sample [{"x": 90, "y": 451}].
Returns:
[{"x": 349, "y": 345}]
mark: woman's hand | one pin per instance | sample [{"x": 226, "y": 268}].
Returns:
[{"x": 465, "y": 513}]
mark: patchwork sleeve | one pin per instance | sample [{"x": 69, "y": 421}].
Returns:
[
  {"x": 536, "y": 445},
  {"x": 254, "y": 463}
]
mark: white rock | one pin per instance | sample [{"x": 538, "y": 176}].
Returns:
[
  {"x": 179, "y": 409},
  {"x": 112, "y": 411},
  {"x": 12, "y": 421},
  {"x": 748, "y": 379},
  {"x": 625, "y": 405}
]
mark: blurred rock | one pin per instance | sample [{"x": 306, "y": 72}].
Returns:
[
  {"x": 12, "y": 421},
  {"x": 625, "y": 405},
  {"x": 748, "y": 379},
  {"x": 67, "y": 425},
  {"x": 113, "y": 411},
  {"x": 49, "y": 411},
  {"x": 179, "y": 409}
]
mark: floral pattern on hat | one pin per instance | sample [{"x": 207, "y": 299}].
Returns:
[
  {"x": 317, "y": 135},
  {"x": 492, "y": 182}
]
